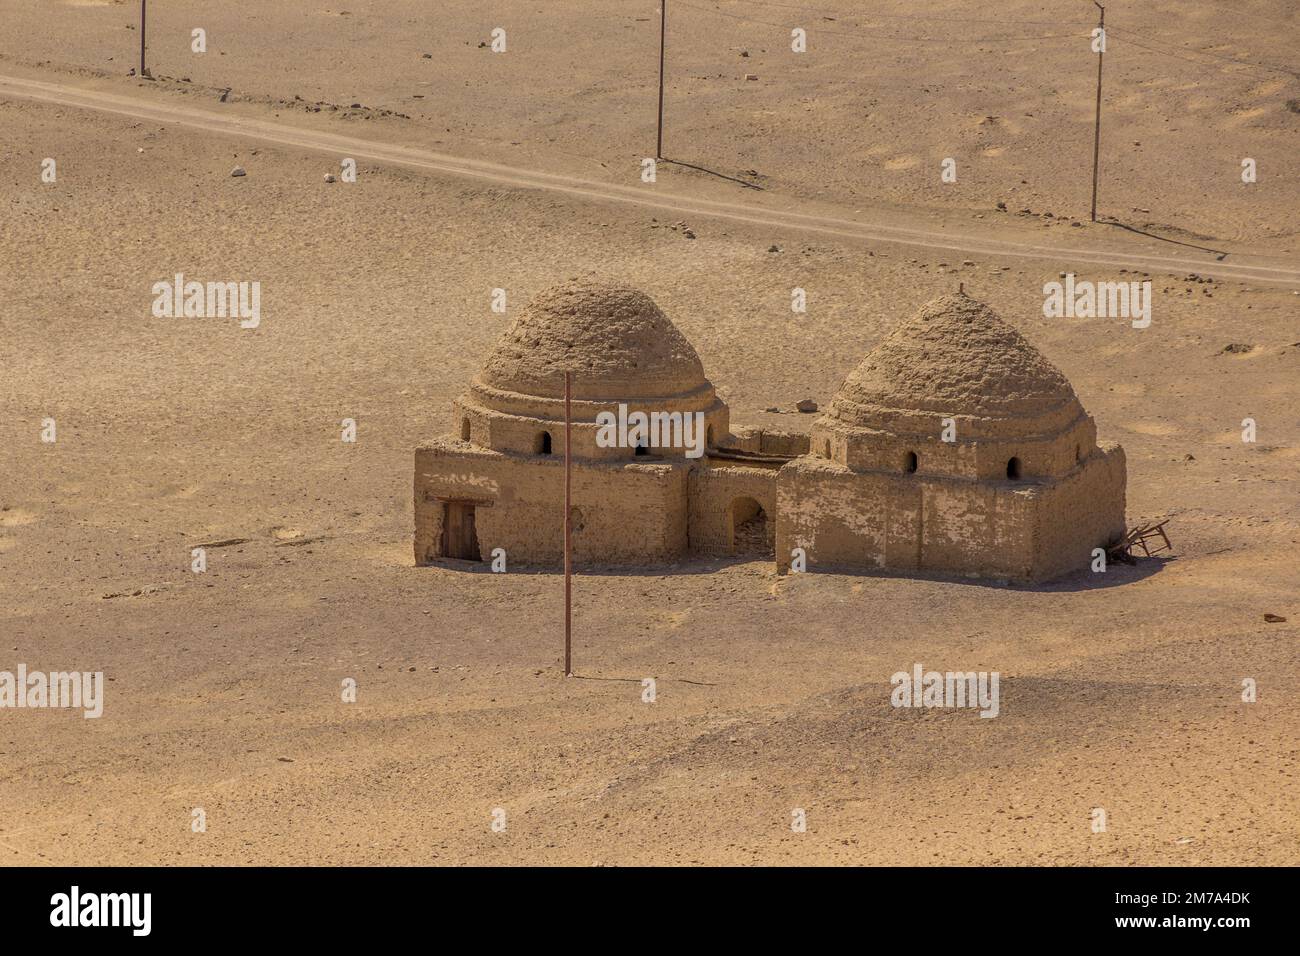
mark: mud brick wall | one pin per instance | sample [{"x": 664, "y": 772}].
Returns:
[
  {"x": 623, "y": 513},
  {"x": 713, "y": 489},
  {"x": 1083, "y": 511},
  {"x": 885, "y": 522}
]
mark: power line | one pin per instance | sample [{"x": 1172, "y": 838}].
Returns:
[
  {"x": 1227, "y": 59},
  {"x": 876, "y": 36},
  {"x": 1236, "y": 12},
  {"x": 905, "y": 16}
]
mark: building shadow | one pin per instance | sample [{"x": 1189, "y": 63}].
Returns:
[{"x": 1117, "y": 574}]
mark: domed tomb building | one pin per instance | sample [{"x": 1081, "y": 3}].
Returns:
[
  {"x": 954, "y": 449},
  {"x": 497, "y": 480}
]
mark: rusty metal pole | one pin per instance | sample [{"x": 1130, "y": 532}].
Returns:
[
  {"x": 663, "y": 28},
  {"x": 143, "y": 5},
  {"x": 1096, "y": 136},
  {"x": 568, "y": 526}
]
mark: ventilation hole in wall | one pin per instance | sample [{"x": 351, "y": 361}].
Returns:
[
  {"x": 1078, "y": 453},
  {"x": 464, "y": 429},
  {"x": 708, "y": 437},
  {"x": 826, "y": 450},
  {"x": 910, "y": 465},
  {"x": 542, "y": 444},
  {"x": 1013, "y": 469}
]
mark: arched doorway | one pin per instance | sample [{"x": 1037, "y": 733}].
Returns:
[{"x": 752, "y": 532}]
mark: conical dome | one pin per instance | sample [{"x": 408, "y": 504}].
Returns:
[
  {"x": 624, "y": 355},
  {"x": 956, "y": 358},
  {"x": 616, "y": 341}
]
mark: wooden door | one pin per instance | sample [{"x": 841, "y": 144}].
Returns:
[{"x": 459, "y": 539}]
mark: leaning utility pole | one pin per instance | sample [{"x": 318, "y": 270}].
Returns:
[
  {"x": 568, "y": 526},
  {"x": 1096, "y": 135},
  {"x": 663, "y": 27}
]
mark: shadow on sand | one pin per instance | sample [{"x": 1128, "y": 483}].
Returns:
[
  {"x": 1117, "y": 574},
  {"x": 713, "y": 172},
  {"x": 1219, "y": 254}
]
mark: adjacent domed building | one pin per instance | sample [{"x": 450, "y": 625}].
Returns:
[{"x": 954, "y": 448}]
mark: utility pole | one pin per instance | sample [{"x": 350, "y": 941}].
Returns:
[
  {"x": 568, "y": 526},
  {"x": 663, "y": 29},
  {"x": 1096, "y": 135},
  {"x": 143, "y": 5}
]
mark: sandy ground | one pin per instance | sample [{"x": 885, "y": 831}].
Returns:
[{"x": 1120, "y": 692}]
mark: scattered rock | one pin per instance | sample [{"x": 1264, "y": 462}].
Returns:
[
  {"x": 807, "y": 406},
  {"x": 773, "y": 248},
  {"x": 774, "y": 409},
  {"x": 688, "y": 234},
  {"x": 1002, "y": 206},
  {"x": 329, "y": 178},
  {"x": 284, "y": 760},
  {"x": 744, "y": 53},
  {"x": 751, "y": 76},
  {"x": 426, "y": 56},
  {"x": 1274, "y": 619},
  {"x": 1238, "y": 348}
]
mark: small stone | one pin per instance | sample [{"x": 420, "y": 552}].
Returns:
[
  {"x": 807, "y": 406},
  {"x": 427, "y": 56},
  {"x": 688, "y": 234},
  {"x": 1238, "y": 348},
  {"x": 751, "y": 76},
  {"x": 238, "y": 171},
  {"x": 773, "y": 248},
  {"x": 329, "y": 178},
  {"x": 1274, "y": 619}
]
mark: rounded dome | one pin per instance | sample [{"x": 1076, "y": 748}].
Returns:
[
  {"x": 957, "y": 358},
  {"x": 625, "y": 356},
  {"x": 615, "y": 340}
]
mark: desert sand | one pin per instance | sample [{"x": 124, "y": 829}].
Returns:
[{"x": 1120, "y": 691}]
